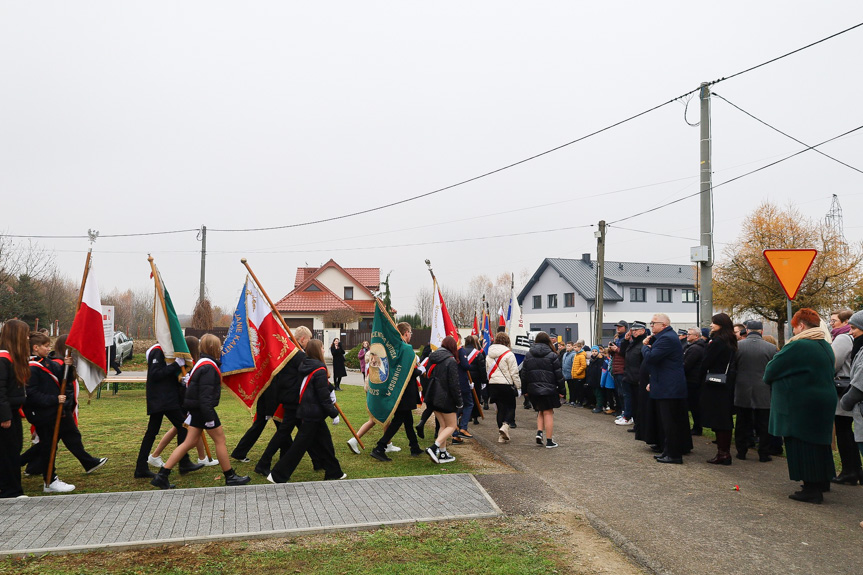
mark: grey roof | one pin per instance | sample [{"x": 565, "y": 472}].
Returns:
[{"x": 581, "y": 275}]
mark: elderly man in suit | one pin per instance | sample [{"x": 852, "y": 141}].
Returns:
[{"x": 751, "y": 394}]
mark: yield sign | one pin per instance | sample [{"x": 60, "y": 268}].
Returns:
[{"x": 790, "y": 267}]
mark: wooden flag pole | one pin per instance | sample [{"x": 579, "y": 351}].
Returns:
[
  {"x": 56, "y": 435},
  {"x": 475, "y": 396},
  {"x": 296, "y": 343}
]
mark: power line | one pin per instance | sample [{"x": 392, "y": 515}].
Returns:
[
  {"x": 25, "y": 236},
  {"x": 785, "y": 55},
  {"x": 785, "y": 134},
  {"x": 764, "y": 167}
]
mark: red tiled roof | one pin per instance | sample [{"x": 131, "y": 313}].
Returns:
[
  {"x": 369, "y": 278},
  {"x": 303, "y": 274},
  {"x": 301, "y": 300}
]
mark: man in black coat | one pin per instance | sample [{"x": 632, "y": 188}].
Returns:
[
  {"x": 632, "y": 363},
  {"x": 693, "y": 353},
  {"x": 163, "y": 400}
]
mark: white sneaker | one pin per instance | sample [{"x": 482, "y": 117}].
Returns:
[
  {"x": 155, "y": 461},
  {"x": 270, "y": 478},
  {"x": 623, "y": 421},
  {"x": 23, "y": 497},
  {"x": 98, "y": 465},
  {"x": 391, "y": 448},
  {"x": 208, "y": 462},
  {"x": 58, "y": 486},
  {"x": 355, "y": 447},
  {"x": 344, "y": 476}
]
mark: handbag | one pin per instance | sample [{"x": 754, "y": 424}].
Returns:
[{"x": 719, "y": 378}]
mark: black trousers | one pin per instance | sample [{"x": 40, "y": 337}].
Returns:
[
  {"x": 71, "y": 438},
  {"x": 281, "y": 441},
  {"x": 674, "y": 421},
  {"x": 849, "y": 454},
  {"x": 176, "y": 417},
  {"x": 504, "y": 397},
  {"x": 576, "y": 390},
  {"x": 251, "y": 436},
  {"x": 311, "y": 434},
  {"x": 747, "y": 420},
  {"x": 633, "y": 390},
  {"x": 693, "y": 401},
  {"x": 400, "y": 418},
  {"x": 11, "y": 442}
]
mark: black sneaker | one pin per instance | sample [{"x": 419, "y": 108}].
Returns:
[
  {"x": 445, "y": 457},
  {"x": 236, "y": 480},
  {"x": 512, "y": 425},
  {"x": 379, "y": 455},
  {"x": 539, "y": 437},
  {"x": 262, "y": 470},
  {"x": 433, "y": 452},
  {"x": 550, "y": 444},
  {"x": 421, "y": 433}
]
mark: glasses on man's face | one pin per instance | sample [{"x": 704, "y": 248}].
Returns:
[{"x": 657, "y": 323}]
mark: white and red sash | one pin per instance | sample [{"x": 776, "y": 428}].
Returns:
[
  {"x": 6, "y": 354},
  {"x": 497, "y": 363},
  {"x": 199, "y": 363},
  {"x": 305, "y": 383},
  {"x": 46, "y": 370},
  {"x": 147, "y": 354},
  {"x": 472, "y": 356}
]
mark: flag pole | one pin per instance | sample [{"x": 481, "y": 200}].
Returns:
[
  {"x": 296, "y": 343},
  {"x": 56, "y": 434}
]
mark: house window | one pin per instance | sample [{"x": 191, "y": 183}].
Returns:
[
  {"x": 663, "y": 295},
  {"x": 569, "y": 299},
  {"x": 349, "y": 293},
  {"x": 637, "y": 294},
  {"x": 537, "y": 302},
  {"x": 552, "y": 300},
  {"x": 313, "y": 287},
  {"x": 552, "y": 331},
  {"x": 688, "y": 295}
]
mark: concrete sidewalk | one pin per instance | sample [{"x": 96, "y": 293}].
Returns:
[
  {"x": 684, "y": 518},
  {"x": 100, "y": 521}
]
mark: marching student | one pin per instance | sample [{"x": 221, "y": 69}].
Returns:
[
  {"x": 471, "y": 372},
  {"x": 504, "y": 383},
  {"x": 14, "y": 374},
  {"x": 444, "y": 396},
  {"x": 315, "y": 405},
  {"x": 202, "y": 397},
  {"x": 163, "y": 400},
  {"x": 43, "y": 398}
]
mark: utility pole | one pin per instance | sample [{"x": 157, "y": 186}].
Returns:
[
  {"x": 600, "y": 280},
  {"x": 705, "y": 262},
  {"x": 202, "y": 235}
]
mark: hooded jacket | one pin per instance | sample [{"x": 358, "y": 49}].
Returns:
[
  {"x": 579, "y": 365},
  {"x": 315, "y": 401},
  {"x": 444, "y": 393},
  {"x": 507, "y": 368},
  {"x": 205, "y": 389},
  {"x": 12, "y": 395},
  {"x": 163, "y": 387},
  {"x": 540, "y": 371}
]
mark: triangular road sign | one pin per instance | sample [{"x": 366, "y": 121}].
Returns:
[{"x": 790, "y": 267}]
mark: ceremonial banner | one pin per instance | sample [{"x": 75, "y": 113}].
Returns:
[
  {"x": 475, "y": 330},
  {"x": 486, "y": 333},
  {"x": 169, "y": 334},
  {"x": 87, "y": 336},
  {"x": 442, "y": 324},
  {"x": 501, "y": 321},
  {"x": 390, "y": 367},
  {"x": 256, "y": 348}
]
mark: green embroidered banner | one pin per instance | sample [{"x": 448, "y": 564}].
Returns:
[{"x": 390, "y": 367}]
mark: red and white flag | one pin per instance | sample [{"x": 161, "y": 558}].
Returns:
[
  {"x": 442, "y": 324},
  {"x": 87, "y": 335}
]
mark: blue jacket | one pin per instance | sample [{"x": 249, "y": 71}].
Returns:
[
  {"x": 664, "y": 360},
  {"x": 567, "y": 364}
]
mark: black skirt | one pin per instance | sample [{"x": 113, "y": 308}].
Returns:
[
  {"x": 545, "y": 402},
  {"x": 199, "y": 421},
  {"x": 809, "y": 461}
]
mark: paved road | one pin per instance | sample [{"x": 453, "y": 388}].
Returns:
[
  {"x": 94, "y": 521},
  {"x": 684, "y": 518}
]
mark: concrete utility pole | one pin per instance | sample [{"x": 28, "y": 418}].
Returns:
[
  {"x": 203, "y": 237},
  {"x": 705, "y": 263},
  {"x": 600, "y": 280}
]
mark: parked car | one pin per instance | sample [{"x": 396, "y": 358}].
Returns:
[{"x": 124, "y": 345}]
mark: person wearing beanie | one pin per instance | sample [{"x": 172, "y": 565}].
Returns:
[{"x": 847, "y": 341}]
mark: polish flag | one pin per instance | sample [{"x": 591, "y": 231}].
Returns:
[
  {"x": 442, "y": 324},
  {"x": 87, "y": 335},
  {"x": 502, "y": 321}
]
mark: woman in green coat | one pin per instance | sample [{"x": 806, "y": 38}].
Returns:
[{"x": 802, "y": 405}]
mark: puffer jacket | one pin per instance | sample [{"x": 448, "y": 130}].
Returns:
[
  {"x": 315, "y": 401},
  {"x": 205, "y": 389},
  {"x": 43, "y": 389},
  {"x": 579, "y": 365},
  {"x": 162, "y": 382},
  {"x": 444, "y": 393},
  {"x": 12, "y": 395},
  {"x": 632, "y": 361},
  {"x": 507, "y": 368},
  {"x": 566, "y": 364},
  {"x": 540, "y": 371}
]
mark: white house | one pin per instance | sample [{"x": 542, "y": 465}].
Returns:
[{"x": 560, "y": 297}]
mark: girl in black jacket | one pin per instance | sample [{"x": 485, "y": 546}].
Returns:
[
  {"x": 315, "y": 405},
  {"x": 202, "y": 397},
  {"x": 542, "y": 380},
  {"x": 339, "y": 370},
  {"x": 14, "y": 374},
  {"x": 443, "y": 396}
]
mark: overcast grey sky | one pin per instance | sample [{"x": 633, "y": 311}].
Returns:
[{"x": 157, "y": 116}]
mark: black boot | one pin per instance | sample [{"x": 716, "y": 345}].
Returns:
[
  {"x": 421, "y": 430},
  {"x": 186, "y": 465},
  {"x": 141, "y": 472},
  {"x": 232, "y": 479},
  {"x": 161, "y": 479},
  {"x": 809, "y": 494}
]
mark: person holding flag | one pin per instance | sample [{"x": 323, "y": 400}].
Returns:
[
  {"x": 471, "y": 372},
  {"x": 202, "y": 397},
  {"x": 14, "y": 374},
  {"x": 444, "y": 396}
]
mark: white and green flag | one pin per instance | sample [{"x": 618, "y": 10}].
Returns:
[{"x": 169, "y": 334}]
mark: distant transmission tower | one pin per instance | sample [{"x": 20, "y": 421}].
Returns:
[{"x": 834, "y": 219}]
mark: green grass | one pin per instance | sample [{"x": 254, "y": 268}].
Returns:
[
  {"x": 113, "y": 426},
  {"x": 489, "y": 546}
]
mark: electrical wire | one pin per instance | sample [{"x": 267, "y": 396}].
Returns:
[
  {"x": 774, "y": 128},
  {"x": 764, "y": 167},
  {"x": 85, "y": 236}
]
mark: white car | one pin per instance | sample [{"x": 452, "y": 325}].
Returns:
[{"x": 124, "y": 345}]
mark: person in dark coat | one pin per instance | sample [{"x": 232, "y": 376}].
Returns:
[
  {"x": 314, "y": 406},
  {"x": 265, "y": 409},
  {"x": 617, "y": 352},
  {"x": 845, "y": 348},
  {"x": 444, "y": 396},
  {"x": 803, "y": 405},
  {"x": 43, "y": 399},
  {"x": 717, "y": 399},
  {"x": 339, "y": 370},
  {"x": 542, "y": 379},
  {"x": 634, "y": 339},
  {"x": 751, "y": 394},
  {"x": 663, "y": 357},
  {"x": 693, "y": 355},
  {"x": 202, "y": 398},
  {"x": 112, "y": 358},
  {"x": 471, "y": 375},
  {"x": 14, "y": 374},
  {"x": 163, "y": 400}
]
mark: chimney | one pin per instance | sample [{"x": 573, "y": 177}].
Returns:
[{"x": 585, "y": 258}]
